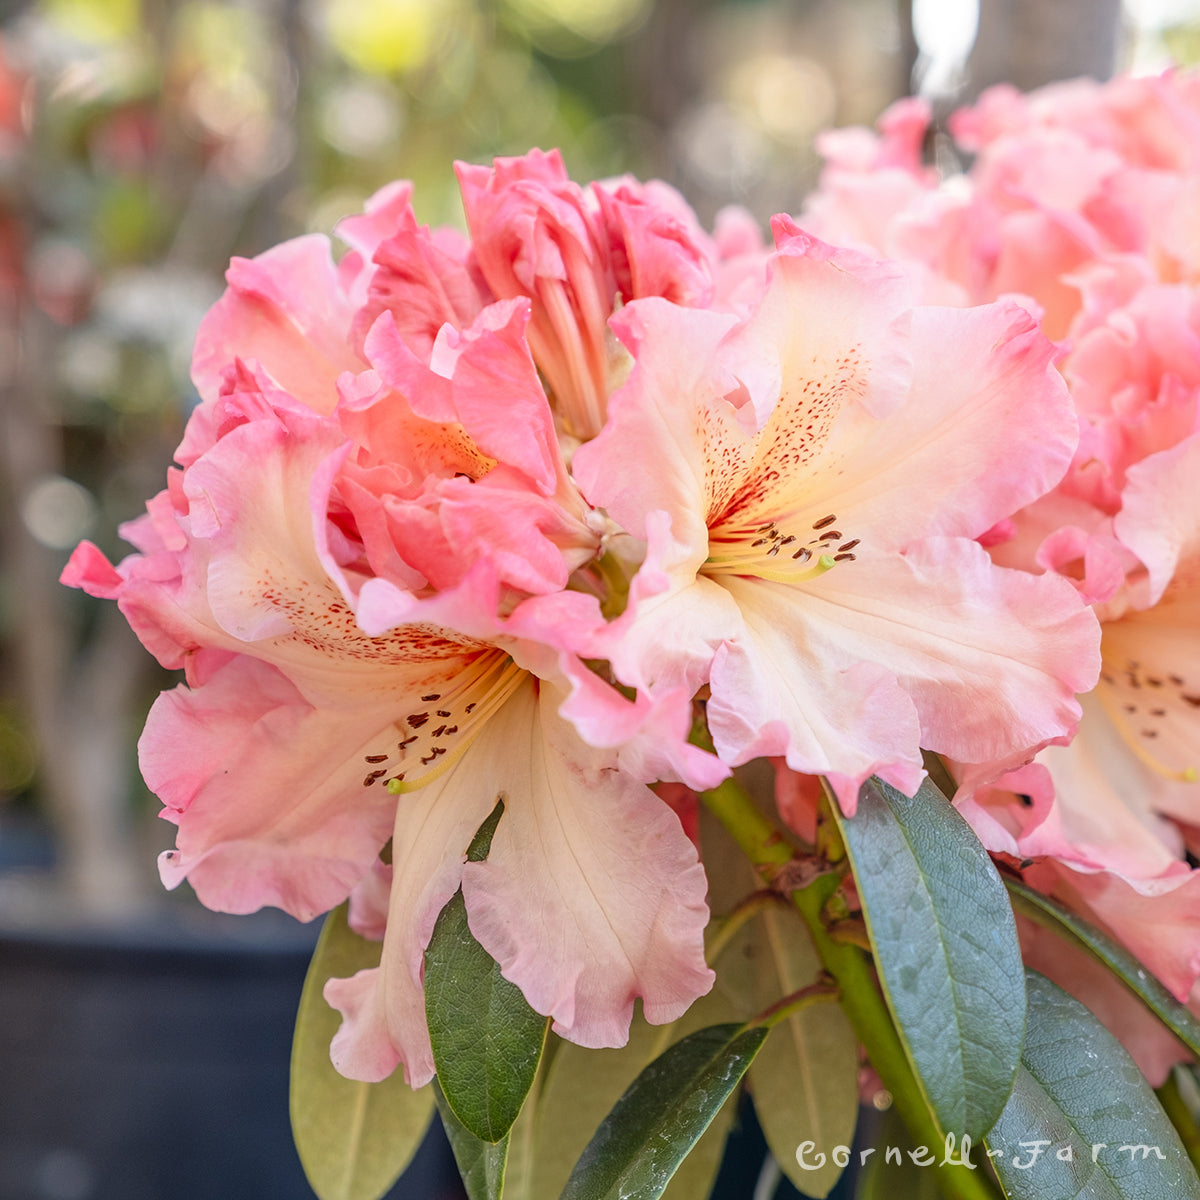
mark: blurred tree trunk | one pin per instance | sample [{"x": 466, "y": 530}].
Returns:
[
  {"x": 80, "y": 709},
  {"x": 1031, "y": 42},
  {"x": 909, "y": 49}
]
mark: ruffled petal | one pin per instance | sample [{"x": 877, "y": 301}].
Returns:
[
  {"x": 275, "y": 800},
  {"x": 991, "y": 658},
  {"x": 649, "y": 733},
  {"x": 383, "y": 1009},
  {"x": 983, "y": 379},
  {"x": 774, "y": 692},
  {"x": 1160, "y": 514},
  {"x": 592, "y": 894},
  {"x": 1100, "y": 815},
  {"x": 287, "y": 310}
]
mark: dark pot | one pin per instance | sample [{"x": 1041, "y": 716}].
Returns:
[{"x": 150, "y": 1061}]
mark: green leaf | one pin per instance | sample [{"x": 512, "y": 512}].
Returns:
[
  {"x": 1080, "y": 1094},
  {"x": 354, "y": 1139},
  {"x": 695, "y": 1176},
  {"x": 583, "y": 1085},
  {"x": 486, "y": 1039},
  {"x": 945, "y": 944},
  {"x": 1048, "y": 913},
  {"x": 805, "y": 1085},
  {"x": 481, "y": 1164},
  {"x": 661, "y": 1116}
]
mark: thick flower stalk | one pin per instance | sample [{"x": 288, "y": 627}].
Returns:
[{"x": 467, "y": 519}]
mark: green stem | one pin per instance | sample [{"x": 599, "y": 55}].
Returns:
[{"x": 851, "y": 968}]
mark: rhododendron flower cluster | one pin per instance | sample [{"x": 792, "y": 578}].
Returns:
[
  {"x": 1082, "y": 203},
  {"x": 462, "y": 519}
]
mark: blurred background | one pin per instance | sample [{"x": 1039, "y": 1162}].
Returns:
[{"x": 143, "y": 143}]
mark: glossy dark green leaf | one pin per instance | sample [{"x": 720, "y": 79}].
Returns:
[
  {"x": 486, "y": 1039},
  {"x": 945, "y": 944},
  {"x": 1178, "y": 1019},
  {"x": 1081, "y": 1120},
  {"x": 481, "y": 1164},
  {"x": 354, "y": 1139},
  {"x": 662, "y": 1115}
]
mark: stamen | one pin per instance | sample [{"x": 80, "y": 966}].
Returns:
[
  {"x": 493, "y": 682},
  {"x": 1135, "y": 737}
]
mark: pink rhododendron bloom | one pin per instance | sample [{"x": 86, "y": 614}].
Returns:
[
  {"x": 1120, "y": 805},
  {"x": 464, "y": 520},
  {"x": 808, "y": 528},
  {"x": 1057, "y": 184},
  {"x": 1083, "y": 199},
  {"x": 338, "y": 580},
  {"x": 577, "y": 252}
]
